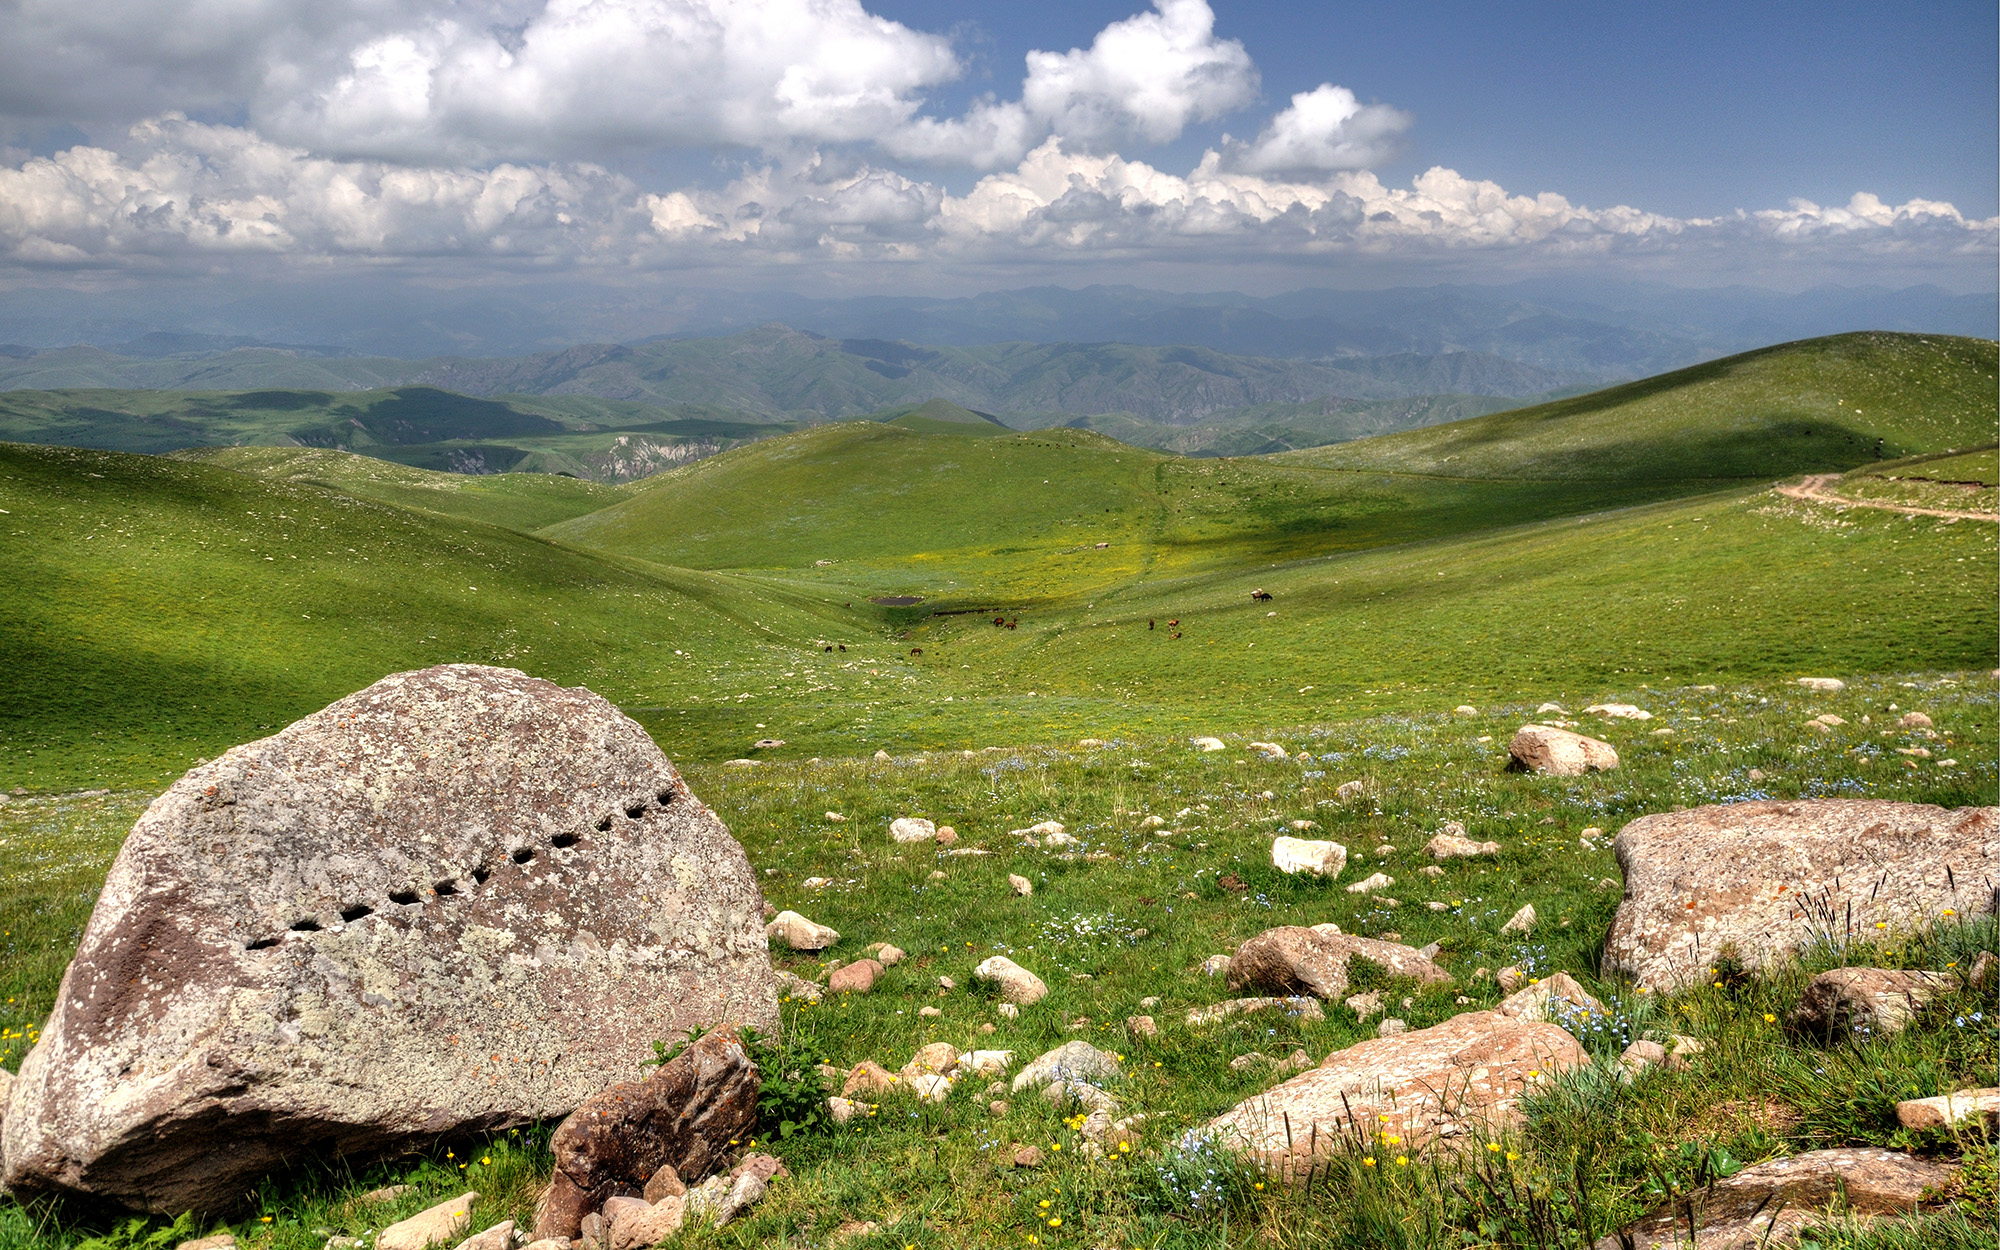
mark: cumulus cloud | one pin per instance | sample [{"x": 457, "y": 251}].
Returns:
[
  {"x": 1144, "y": 79},
  {"x": 472, "y": 81},
  {"x": 191, "y": 190},
  {"x": 1324, "y": 129},
  {"x": 604, "y": 75},
  {"x": 177, "y": 189}
]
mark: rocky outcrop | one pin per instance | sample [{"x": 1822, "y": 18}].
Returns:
[
  {"x": 461, "y": 899},
  {"x": 686, "y": 1116},
  {"x": 1298, "y": 960},
  {"x": 1465, "y": 1076},
  {"x": 1763, "y": 880},
  {"x": 1558, "y": 752},
  {"x": 1769, "y": 1204},
  {"x": 1861, "y": 1003}
]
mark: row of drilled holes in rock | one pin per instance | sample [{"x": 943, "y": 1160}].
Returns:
[{"x": 449, "y": 886}]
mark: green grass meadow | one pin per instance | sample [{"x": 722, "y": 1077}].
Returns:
[{"x": 1625, "y": 546}]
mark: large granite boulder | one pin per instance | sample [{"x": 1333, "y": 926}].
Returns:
[
  {"x": 1297, "y": 960},
  {"x": 1463, "y": 1077},
  {"x": 1766, "y": 879},
  {"x": 685, "y": 1118},
  {"x": 458, "y": 900}
]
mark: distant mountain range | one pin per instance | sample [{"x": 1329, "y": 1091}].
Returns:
[
  {"x": 777, "y": 373},
  {"x": 1607, "y": 330}
]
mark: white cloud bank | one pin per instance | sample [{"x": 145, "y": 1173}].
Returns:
[
  {"x": 397, "y": 130},
  {"x": 181, "y": 190}
]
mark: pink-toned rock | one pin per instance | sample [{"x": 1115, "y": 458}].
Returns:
[
  {"x": 647, "y": 1225},
  {"x": 1297, "y": 960},
  {"x": 1769, "y": 878},
  {"x": 935, "y": 1059},
  {"x": 685, "y": 1116},
  {"x": 666, "y": 1183},
  {"x": 498, "y": 1237},
  {"x": 1946, "y": 1110},
  {"x": 1769, "y": 1204},
  {"x": 1447, "y": 846},
  {"x": 855, "y": 978},
  {"x": 1557, "y": 999},
  {"x": 1865, "y": 1002},
  {"x": 446, "y": 1221},
  {"x": 867, "y": 1077},
  {"x": 460, "y": 899},
  {"x": 1299, "y": 1006},
  {"x": 1465, "y": 1076},
  {"x": 1558, "y": 752}
]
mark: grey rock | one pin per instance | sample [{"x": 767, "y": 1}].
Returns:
[
  {"x": 265, "y": 976},
  {"x": 1294, "y": 959},
  {"x": 1071, "y": 1061}
]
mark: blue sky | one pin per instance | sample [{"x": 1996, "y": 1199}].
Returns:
[
  {"x": 1686, "y": 108},
  {"x": 845, "y": 144}
]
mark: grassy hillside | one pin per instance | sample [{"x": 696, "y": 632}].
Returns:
[
  {"x": 941, "y": 416},
  {"x": 1018, "y": 518},
  {"x": 1799, "y": 407},
  {"x": 521, "y": 501},
  {"x": 1265, "y": 429},
  {"x": 130, "y": 580},
  {"x": 153, "y": 610}
]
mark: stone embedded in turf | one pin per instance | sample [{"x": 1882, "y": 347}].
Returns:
[
  {"x": 1945, "y": 1110},
  {"x": 1018, "y": 986},
  {"x": 1298, "y": 1006},
  {"x": 1769, "y": 1204},
  {"x": 1769, "y": 878},
  {"x": 1297, "y": 960},
  {"x": 1296, "y": 855},
  {"x": 1558, "y": 752},
  {"x": 799, "y": 933},
  {"x": 1865, "y": 1002},
  {"x": 912, "y": 829},
  {"x": 1448, "y": 846},
  {"x": 684, "y": 1116},
  {"x": 1465, "y": 1076},
  {"x": 460, "y": 899},
  {"x": 1554, "y": 999},
  {"x": 858, "y": 977},
  {"x": 1076, "y": 1062},
  {"x": 430, "y": 1226}
]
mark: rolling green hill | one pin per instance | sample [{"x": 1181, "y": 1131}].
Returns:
[
  {"x": 1818, "y": 404},
  {"x": 157, "y": 609},
  {"x": 521, "y": 501},
  {"x": 941, "y": 416}
]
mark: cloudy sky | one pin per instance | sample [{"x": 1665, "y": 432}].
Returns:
[{"x": 944, "y": 145}]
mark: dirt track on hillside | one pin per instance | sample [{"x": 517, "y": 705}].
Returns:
[{"x": 1814, "y": 489}]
